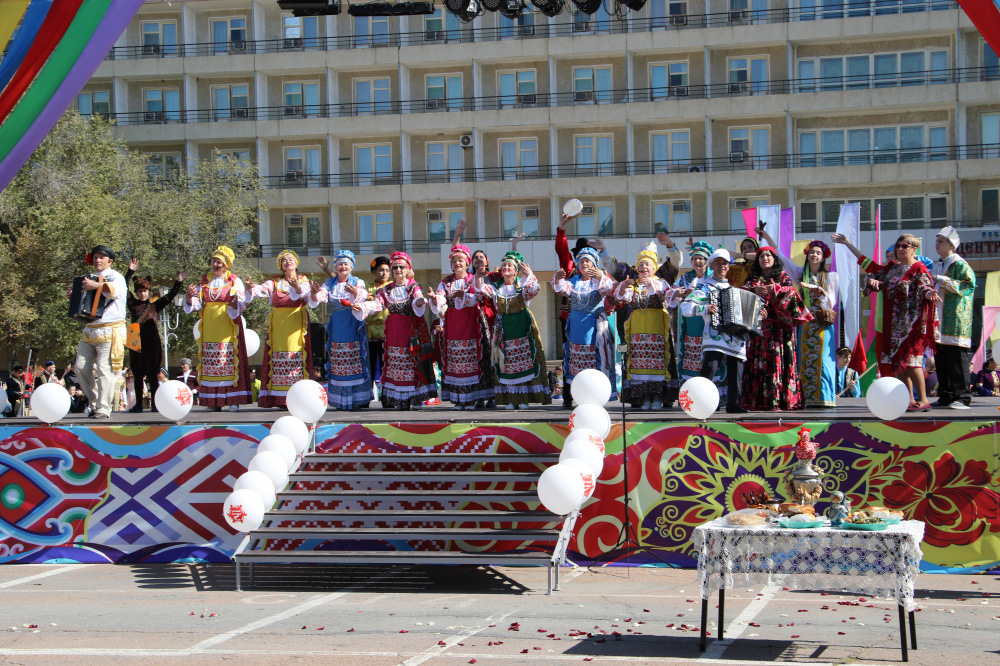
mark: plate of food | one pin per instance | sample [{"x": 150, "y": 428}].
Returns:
[
  {"x": 800, "y": 522},
  {"x": 866, "y": 527},
  {"x": 869, "y": 520},
  {"x": 745, "y": 518},
  {"x": 573, "y": 207}
]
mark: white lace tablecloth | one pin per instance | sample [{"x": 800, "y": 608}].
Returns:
[{"x": 883, "y": 563}]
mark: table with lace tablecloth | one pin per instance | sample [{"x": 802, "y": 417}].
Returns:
[{"x": 882, "y": 563}]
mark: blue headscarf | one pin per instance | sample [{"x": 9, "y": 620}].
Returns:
[
  {"x": 588, "y": 253},
  {"x": 926, "y": 261},
  {"x": 343, "y": 254},
  {"x": 701, "y": 248}
]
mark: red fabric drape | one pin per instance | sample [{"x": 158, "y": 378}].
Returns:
[{"x": 986, "y": 17}]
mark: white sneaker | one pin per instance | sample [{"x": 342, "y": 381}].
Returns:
[
  {"x": 511, "y": 406},
  {"x": 657, "y": 403},
  {"x": 234, "y": 408},
  {"x": 646, "y": 403},
  {"x": 959, "y": 405}
]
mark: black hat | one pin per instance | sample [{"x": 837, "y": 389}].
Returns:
[
  {"x": 379, "y": 261},
  {"x": 580, "y": 244},
  {"x": 100, "y": 249}
]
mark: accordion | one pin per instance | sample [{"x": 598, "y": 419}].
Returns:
[
  {"x": 737, "y": 312},
  {"x": 83, "y": 306}
]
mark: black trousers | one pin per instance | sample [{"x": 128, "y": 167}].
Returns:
[
  {"x": 710, "y": 363},
  {"x": 145, "y": 365},
  {"x": 952, "y": 365}
]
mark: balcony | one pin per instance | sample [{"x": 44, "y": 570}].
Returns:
[{"x": 542, "y": 30}]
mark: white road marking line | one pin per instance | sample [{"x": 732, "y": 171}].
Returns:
[
  {"x": 44, "y": 574},
  {"x": 451, "y": 641},
  {"x": 735, "y": 630}
]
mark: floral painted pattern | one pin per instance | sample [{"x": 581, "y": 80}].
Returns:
[
  {"x": 581, "y": 357},
  {"x": 218, "y": 359},
  {"x": 647, "y": 352},
  {"x": 286, "y": 368}
]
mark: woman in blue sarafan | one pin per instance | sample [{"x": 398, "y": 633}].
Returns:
[
  {"x": 349, "y": 381},
  {"x": 591, "y": 338}
]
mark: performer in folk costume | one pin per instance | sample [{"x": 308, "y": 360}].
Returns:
[
  {"x": 223, "y": 370},
  {"x": 718, "y": 349},
  {"x": 287, "y": 344},
  {"x": 647, "y": 332},
  {"x": 848, "y": 380},
  {"x": 349, "y": 379},
  {"x": 909, "y": 312},
  {"x": 376, "y": 321},
  {"x": 101, "y": 351},
  {"x": 591, "y": 340},
  {"x": 147, "y": 360},
  {"x": 739, "y": 271},
  {"x": 466, "y": 364},
  {"x": 957, "y": 282},
  {"x": 688, "y": 331},
  {"x": 771, "y": 378},
  {"x": 819, "y": 288},
  {"x": 518, "y": 357},
  {"x": 408, "y": 363}
]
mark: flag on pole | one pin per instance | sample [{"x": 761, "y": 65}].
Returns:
[
  {"x": 849, "y": 225},
  {"x": 875, "y": 309},
  {"x": 859, "y": 359},
  {"x": 770, "y": 216},
  {"x": 787, "y": 227},
  {"x": 750, "y": 221}
]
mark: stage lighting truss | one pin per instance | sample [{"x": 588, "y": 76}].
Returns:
[
  {"x": 464, "y": 10},
  {"x": 493, "y": 5},
  {"x": 512, "y": 9},
  {"x": 311, "y": 7},
  {"x": 588, "y": 7},
  {"x": 549, "y": 7}
]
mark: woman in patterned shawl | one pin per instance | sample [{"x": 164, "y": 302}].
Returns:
[
  {"x": 771, "y": 373},
  {"x": 690, "y": 330},
  {"x": 287, "y": 357},
  {"x": 518, "y": 357},
  {"x": 223, "y": 370}
]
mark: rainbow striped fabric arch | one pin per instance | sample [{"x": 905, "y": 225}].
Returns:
[{"x": 58, "y": 46}]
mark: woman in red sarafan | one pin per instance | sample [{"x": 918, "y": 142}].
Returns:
[{"x": 771, "y": 373}]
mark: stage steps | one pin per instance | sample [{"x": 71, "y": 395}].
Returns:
[{"x": 412, "y": 509}]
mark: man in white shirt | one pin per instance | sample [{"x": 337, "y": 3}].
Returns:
[{"x": 101, "y": 351}]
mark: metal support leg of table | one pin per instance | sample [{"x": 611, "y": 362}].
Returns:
[
  {"x": 722, "y": 612},
  {"x": 902, "y": 632},
  {"x": 704, "y": 623},
  {"x": 913, "y": 631}
]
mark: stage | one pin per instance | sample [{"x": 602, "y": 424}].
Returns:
[{"x": 137, "y": 489}]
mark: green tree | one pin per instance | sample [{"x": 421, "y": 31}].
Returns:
[{"x": 84, "y": 187}]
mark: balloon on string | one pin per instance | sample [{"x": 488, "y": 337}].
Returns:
[
  {"x": 591, "y": 417},
  {"x": 280, "y": 445},
  {"x": 587, "y": 474},
  {"x": 173, "y": 400},
  {"x": 591, "y": 387},
  {"x": 561, "y": 489},
  {"x": 252, "y": 340},
  {"x": 197, "y": 330},
  {"x": 259, "y": 483},
  {"x": 699, "y": 398},
  {"x": 273, "y": 465},
  {"x": 50, "y": 402},
  {"x": 586, "y": 451},
  {"x": 587, "y": 435},
  {"x": 307, "y": 400},
  {"x": 888, "y": 398},
  {"x": 243, "y": 510},
  {"x": 294, "y": 429}
]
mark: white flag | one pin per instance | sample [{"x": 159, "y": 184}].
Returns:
[
  {"x": 846, "y": 265},
  {"x": 771, "y": 217}
]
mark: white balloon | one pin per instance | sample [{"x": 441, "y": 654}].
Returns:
[
  {"x": 50, "y": 402},
  {"x": 591, "y": 417},
  {"x": 587, "y": 452},
  {"x": 243, "y": 510},
  {"x": 294, "y": 429},
  {"x": 888, "y": 398},
  {"x": 259, "y": 483},
  {"x": 173, "y": 400},
  {"x": 280, "y": 445},
  {"x": 587, "y": 474},
  {"x": 591, "y": 387},
  {"x": 699, "y": 398},
  {"x": 587, "y": 435},
  {"x": 197, "y": 330},
  {"x": 307, "y": 400},
  {"x": 252, "y": 340},
  {"x": 3, "y": 401},
  {"x": 561, "y": 489},
  {"x": 273, "y": 465}
]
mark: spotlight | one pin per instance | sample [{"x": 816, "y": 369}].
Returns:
[
  {"x": 391, "y": 9},
  {"x": 634, "y": 5},
  {"x": 465, "y": 10},
  {"x": 588, "y": 7},
  {"x": 492, "y": 5},
  {"x": 310, "y": 7},
  {"x": 511, "y": 8},
  {"x": 549, "y": 7}
]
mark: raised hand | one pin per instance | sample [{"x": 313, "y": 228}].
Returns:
[
  {"x": 350, "y": 289},
  {"x": 133, "y": 264},
  {"x": 322, "y": 262},
  {"x": 560, "y": 274},
  {"x": 563, "y": 219},
  {"x": 191, "y": 292},
  {"x": 524, "y": 269},
  {"x": 663, "y": 239},
  {"x": 182, "y": 275}
]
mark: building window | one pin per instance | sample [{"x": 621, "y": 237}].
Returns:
[
  {"x": 374, "y": 231},
  {"x": 231, "y": 101},
  {"x": 668, "y": 78},
  {"x": 991, "y": 64},
  {"x": 894, "y": 213},
  {"x": 231, "y": 156},
  {"x": 163, "y": 166},
  {"x": 371, "y": 31},
  {"x": 660, "y": 9},
  {"x": 596, "y": 220},
  {"x": 671, "y": 151},
  {"x": 441, "y": 26},
  {"x": 96, "y": 102},
  {"x": 437, "y": 231},
  {"x": 372, "y": 96},
  {"x": 230, "y": 34},
  {"x": 300, "y": 32},
  {"x": 445, "y": 161},
  {"x": 736, "y": 207},
  {"x": 877, "y": 145},
  {"x": 593, "y": 154},
  {"x": 523, "y": 25},
  {"x": 303, "y": 165},
  {"x": 159, "y": 38},
  {"x": 302, "y": 229},
  {"x": 301, "y": 99},
  {"x": 747, "y": 74},
  {"x": 748, "y": 142},
  {"x": 599, "y": 22},
  {"x": 518, "y": 156},
  {"x": 373, "y": 163},
  {"x": 591, "y": 84},
  {"x": 989, "y": 124},
  {"x": 516, "y": 87},
  {"x": 444, "y": 91},
  {"x": 989, "y": 207},
  {"x": 161, "y": 105},
  {"x": 518, "y": 220},
  {"x": 672, "y": 216}
]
